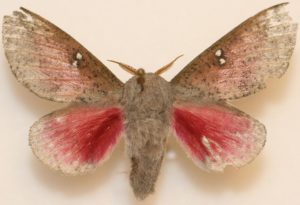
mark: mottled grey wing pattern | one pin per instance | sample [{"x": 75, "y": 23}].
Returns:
[
  {"x": 240, "y": 63},
  {"x": 51, "y": 63}
]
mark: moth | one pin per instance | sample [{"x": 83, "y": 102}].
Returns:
[{"x": 193, "y": 107}]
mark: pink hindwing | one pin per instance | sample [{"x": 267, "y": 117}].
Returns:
[
  {"x": 216, "y": 135},
  {"x": 77, "y": 139}
]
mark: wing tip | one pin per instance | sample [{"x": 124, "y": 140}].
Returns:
[
  {"x": 30, "y": 13},
  {"x": 24, "y": 9},
  {"x": 280, "y": 5},
  {"x": 274, "y": 7}
]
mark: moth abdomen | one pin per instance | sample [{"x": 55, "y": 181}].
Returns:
[{"x": 147, "y": 114}]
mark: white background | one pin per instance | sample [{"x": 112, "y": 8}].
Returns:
[{"x": 149, "y": 34}]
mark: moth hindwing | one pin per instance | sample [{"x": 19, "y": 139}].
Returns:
[{"x": 146, "y": 109}]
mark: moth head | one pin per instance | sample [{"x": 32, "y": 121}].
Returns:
[{"x": 140, "y": 71}]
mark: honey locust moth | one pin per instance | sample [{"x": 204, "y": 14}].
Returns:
[{"x": 193, "y": 107}]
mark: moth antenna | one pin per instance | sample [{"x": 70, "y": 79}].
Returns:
[
  {"x": 166, "y": 67},
  {"x": 126, "y": 67}
]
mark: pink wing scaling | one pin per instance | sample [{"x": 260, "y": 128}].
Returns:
[
  {"x": 51, "y": 63},
  {"x": 77, "y": 139},
  {"x": 216, "y": 135},
  {"x": 240, "y": 63}
]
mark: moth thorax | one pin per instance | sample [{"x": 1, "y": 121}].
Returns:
[{"x": 156, "y": 92}]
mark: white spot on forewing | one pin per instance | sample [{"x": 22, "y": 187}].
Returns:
[
  {"x": 218, "y": 53},
  {"x": 222, "y": 61},
  {"x": 78, "y": 56}
]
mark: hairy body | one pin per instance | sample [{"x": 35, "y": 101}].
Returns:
[
  {"x": 147, "y": 111},
  {"x": 193, "y": 105}
]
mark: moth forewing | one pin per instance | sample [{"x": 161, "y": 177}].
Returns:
[
  {"x": 51, "y": 63},
  {"x": 239, "y": 63},
  {"x": 193, "y": 105}
]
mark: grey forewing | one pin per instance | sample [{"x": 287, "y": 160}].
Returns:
[{"x": 147, "y": 126}]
